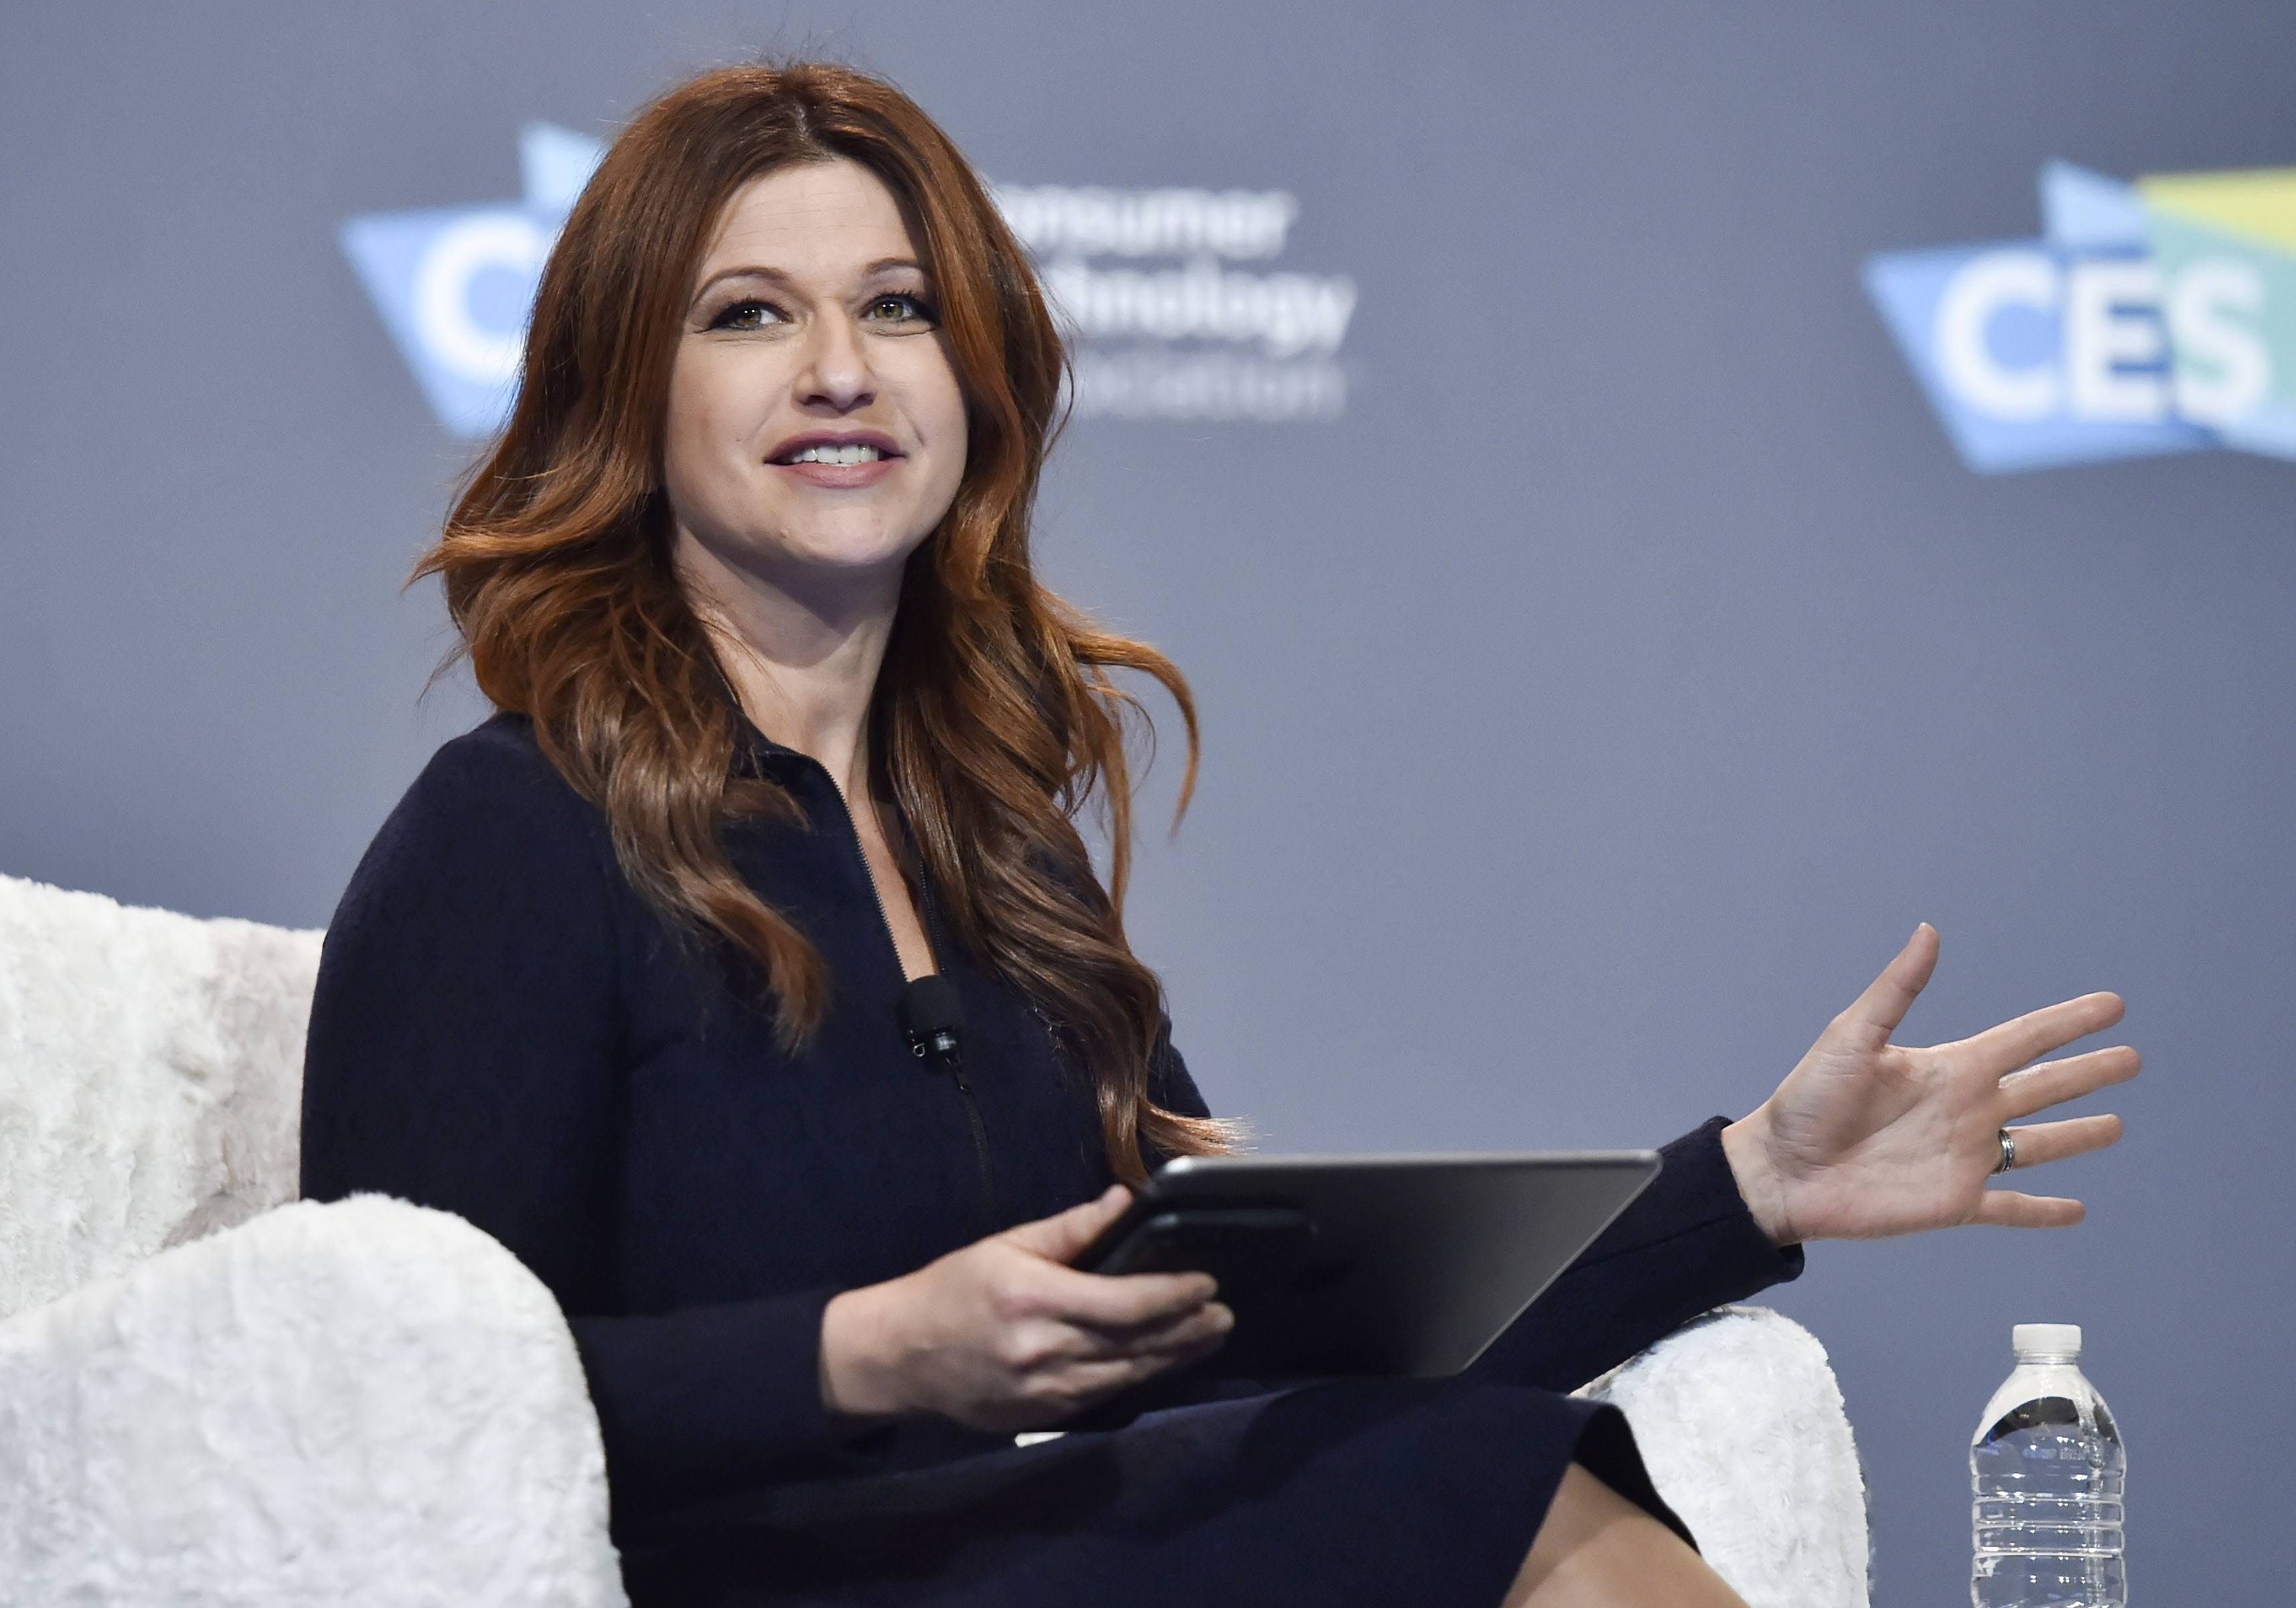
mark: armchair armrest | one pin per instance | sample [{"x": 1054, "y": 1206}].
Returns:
[
  {"x": 364, "y": 1402},
  {"x": 1740, "y": 1425}
]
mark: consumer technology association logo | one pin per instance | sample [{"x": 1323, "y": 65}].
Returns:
[
  {"x": 1173, "y": 306},
  {"x": 1168, "y": 293},
  {"x": 2150, "y": 317}
]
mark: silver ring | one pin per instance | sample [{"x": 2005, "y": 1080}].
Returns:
[{"x": 2008, "y": 1151}]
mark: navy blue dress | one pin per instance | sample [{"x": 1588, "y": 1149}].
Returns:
[{"x": 504, "y": 1029}]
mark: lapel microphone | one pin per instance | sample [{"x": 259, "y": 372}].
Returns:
[{"x": 932, "y": 1016}]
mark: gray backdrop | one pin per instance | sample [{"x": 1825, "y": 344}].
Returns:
[{"x": 1591, "y": 707}]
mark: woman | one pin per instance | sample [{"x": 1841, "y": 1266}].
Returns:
[{"x": 786, "y": 722}]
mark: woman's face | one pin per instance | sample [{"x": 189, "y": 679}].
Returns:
[{"x": 817, "y": 428}]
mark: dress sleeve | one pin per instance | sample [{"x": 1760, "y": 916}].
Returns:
[
  {"x": 1687, "y": 1245},
  {"x": 466, "y": 1052}
]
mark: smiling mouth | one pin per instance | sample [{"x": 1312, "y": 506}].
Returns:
[{"x": 848, "y": 454}]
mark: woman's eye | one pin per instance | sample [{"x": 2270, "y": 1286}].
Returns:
[
  {"x": 900, "y": 307},
  {"x": 745, "y": 315}
]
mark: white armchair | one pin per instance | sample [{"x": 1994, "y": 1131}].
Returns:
[
  {"x": 212, "y": 1396},
  {"x": 209, "y": 1396}
]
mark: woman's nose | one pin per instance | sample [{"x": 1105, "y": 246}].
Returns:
[{"x": 836, "y": 375}]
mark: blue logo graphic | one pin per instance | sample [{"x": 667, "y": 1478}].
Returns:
[
  {"x": 455, "y": 284},
  {"x": 2152, "y": 317}
]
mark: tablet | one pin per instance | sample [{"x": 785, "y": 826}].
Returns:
[{"x": 1401, "y": 1266}]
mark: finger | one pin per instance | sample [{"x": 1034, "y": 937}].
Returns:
[
  {"x": 2007, "y": 1209},
  {"x": 1087, "y": 1382},
  {"x": 2036, "y": 1033},
  {"x": 1126, "y": 1301},
  {"x": 1180, "y": 1332},
  {"x": 1198, "y": 1333},
  {"x": 1197, "y": 1336},
  {"x": 2054, "y": 1082},
  {"x": 1889, "y": 997},
  {"x": 2047, "y": 1141},
  {"x": 1061, "y": 1237}
]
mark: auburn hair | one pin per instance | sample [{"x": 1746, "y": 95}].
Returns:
[{"x": 995, "y": 722}]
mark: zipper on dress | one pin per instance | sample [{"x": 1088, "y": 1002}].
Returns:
[
  {"x": 952, "y": 1057},
  {"x": 954, "y": 1060}
]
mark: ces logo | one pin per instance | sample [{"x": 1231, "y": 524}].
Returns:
[{"x": 2152, "y": 317}]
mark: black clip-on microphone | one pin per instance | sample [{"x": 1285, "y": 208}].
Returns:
[{"x": 932, "y": 1015}]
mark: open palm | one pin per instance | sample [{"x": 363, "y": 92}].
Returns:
[{"x": 1867, "y": 1138}]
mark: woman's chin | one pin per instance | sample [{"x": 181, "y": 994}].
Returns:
[
  {"x": 851, "y": 558},
  {"x": 807, "y": 559}
]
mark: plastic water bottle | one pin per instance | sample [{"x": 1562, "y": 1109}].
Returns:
[{"x": 2046, "y": 1468}]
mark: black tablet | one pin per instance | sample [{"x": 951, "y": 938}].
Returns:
[{"x": 1402, "y": 1266}]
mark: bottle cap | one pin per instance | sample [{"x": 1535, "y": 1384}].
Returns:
[{"x": 2047, "y": 1340}]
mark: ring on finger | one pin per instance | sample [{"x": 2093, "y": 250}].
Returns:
[{"x": 2008, "y": 1151}]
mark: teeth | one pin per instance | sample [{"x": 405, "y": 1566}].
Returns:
[{"x": 838, "y": 454}]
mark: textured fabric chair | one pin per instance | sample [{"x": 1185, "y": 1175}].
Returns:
[{"x": 213, "y": 1394}]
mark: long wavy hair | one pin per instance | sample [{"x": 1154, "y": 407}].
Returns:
[{"x": 995, "y": 722}]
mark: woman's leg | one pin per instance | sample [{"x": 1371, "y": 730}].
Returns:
[{"x": 1596, "y": 1549}]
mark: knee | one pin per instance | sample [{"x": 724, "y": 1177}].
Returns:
[{"x": 1596, "y": 1546}]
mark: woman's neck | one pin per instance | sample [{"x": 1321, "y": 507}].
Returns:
[{"x": 803, "y": 662}]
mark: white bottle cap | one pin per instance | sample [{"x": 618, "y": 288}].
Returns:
[{"x": 2047, "y": 1340}]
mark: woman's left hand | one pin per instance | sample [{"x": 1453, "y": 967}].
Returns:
[{"x": 1867, "y": 1138}]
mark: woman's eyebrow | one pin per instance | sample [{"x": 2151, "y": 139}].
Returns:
[
  {"x": 745, "y": 272},
  {"x": 883, "y": 264}
]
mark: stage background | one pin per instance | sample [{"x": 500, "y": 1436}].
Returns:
[{"x": 1591, "y": 707}]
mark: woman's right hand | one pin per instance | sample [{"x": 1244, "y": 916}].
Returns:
[{"x": 1004, "y": 1336}]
